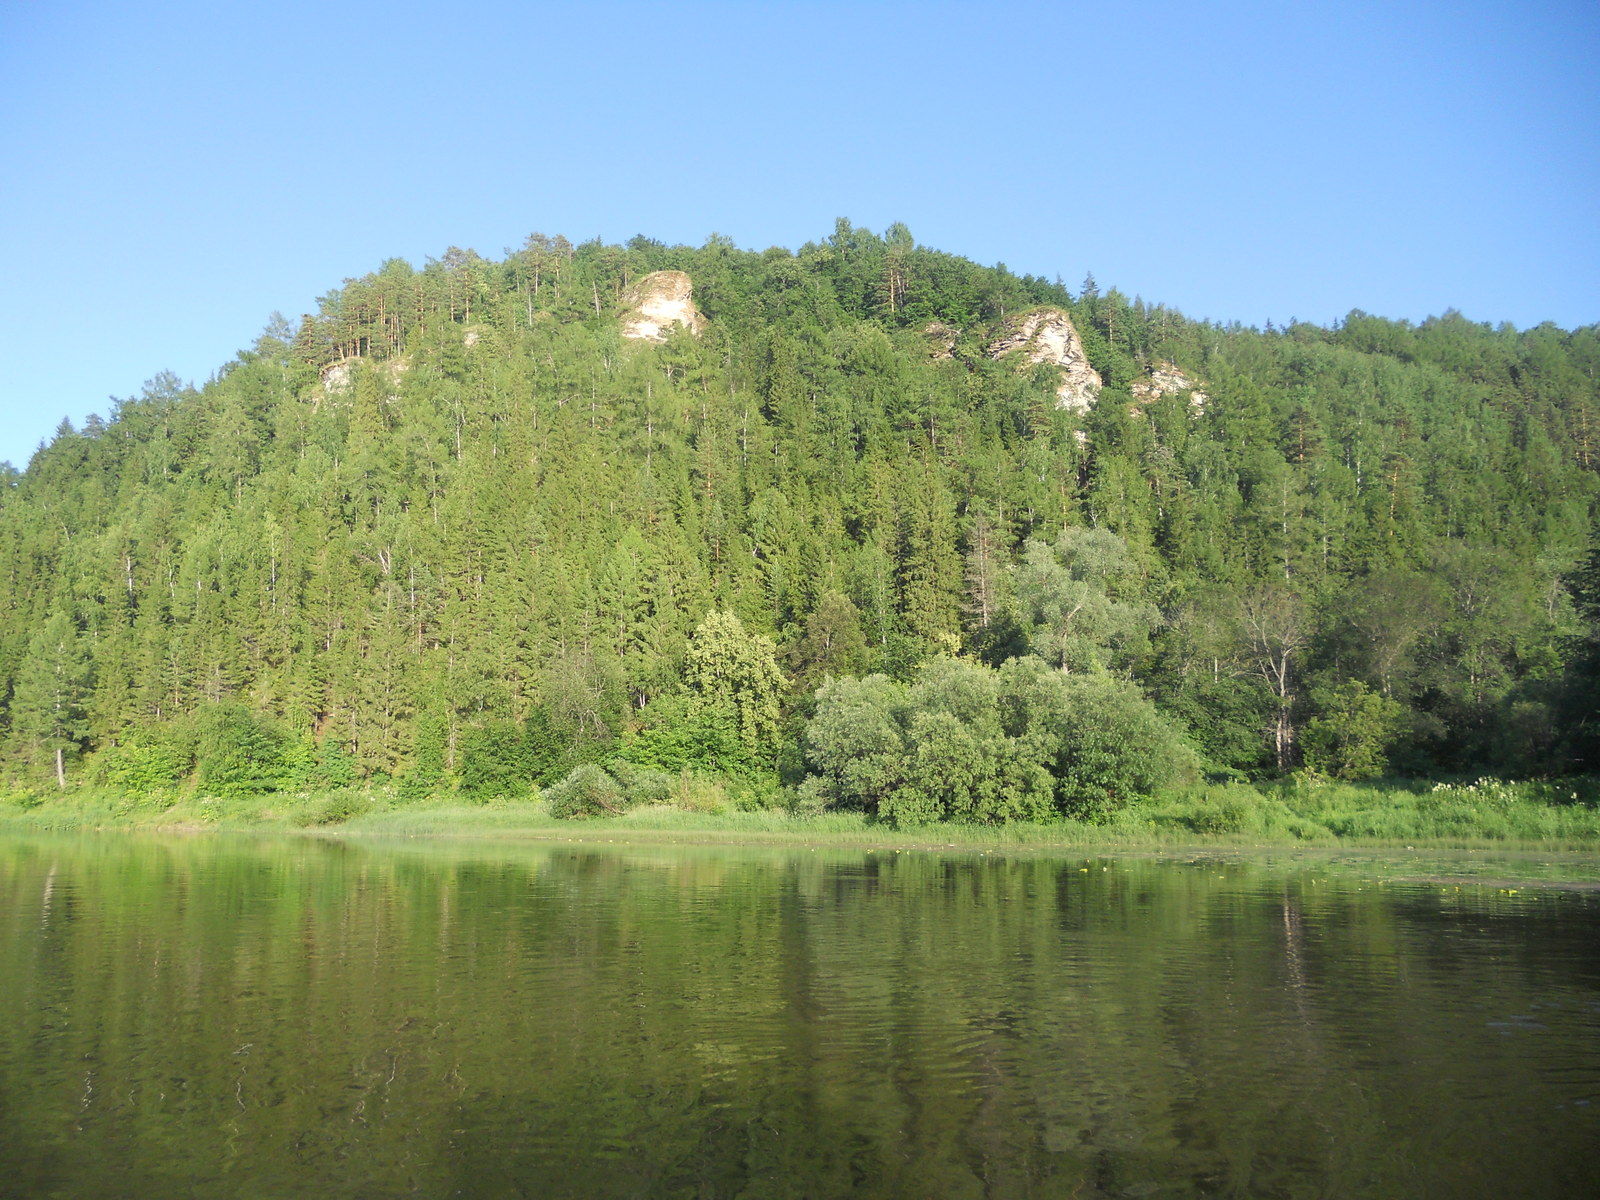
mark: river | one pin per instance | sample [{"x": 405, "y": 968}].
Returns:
[{"x": 217, "y": 1016}]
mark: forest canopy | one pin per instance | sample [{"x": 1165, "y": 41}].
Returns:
[{"x": 454, "y": 530}]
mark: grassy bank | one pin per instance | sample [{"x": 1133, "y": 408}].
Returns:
[{"x": 1552, "y": 814}]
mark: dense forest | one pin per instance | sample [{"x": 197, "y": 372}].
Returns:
[{"x": 455, "y": 531}]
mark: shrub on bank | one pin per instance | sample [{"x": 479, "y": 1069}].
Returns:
[
  {"x": 965, "y": 742},
  {"x": 589, "y": 790},
  {"x": 333, "y": 807},
  {"x": 586, "y": 791}
]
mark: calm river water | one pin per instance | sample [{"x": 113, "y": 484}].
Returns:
[{"x": 210, "y": 1016}]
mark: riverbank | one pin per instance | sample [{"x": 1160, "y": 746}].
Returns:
[{"x": 1483, "y": 813}]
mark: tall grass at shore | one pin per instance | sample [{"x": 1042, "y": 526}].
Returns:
[
  {"x": 1484, "y": 810},
  {"x": 1555, "y": 814}
]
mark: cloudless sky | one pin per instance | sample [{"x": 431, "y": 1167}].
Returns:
[{"x": 173, "y": 173}]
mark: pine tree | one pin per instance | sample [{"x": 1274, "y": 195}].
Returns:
[{"x": 48, "y": 710}]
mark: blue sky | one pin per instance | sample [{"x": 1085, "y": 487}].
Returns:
[{"x": 174, "y": 173}]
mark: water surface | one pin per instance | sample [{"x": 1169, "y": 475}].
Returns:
[{"x": 210, "y": 1016}]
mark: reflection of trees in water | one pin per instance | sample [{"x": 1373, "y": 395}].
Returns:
[{"x": 571, "y": 1020}]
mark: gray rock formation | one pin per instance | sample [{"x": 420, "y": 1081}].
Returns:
[
  {"x": 1165, "y": 379},
  {"x": 339, "y": 377},
  {"x": 1047, "y": 335},
  {"x": 941, "y": 339},
  {"x": 656, "y": 303}
]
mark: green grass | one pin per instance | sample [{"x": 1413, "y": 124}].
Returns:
[
  {"x": 101, "y": 808},
  {"x": 1553, "y": 815}
]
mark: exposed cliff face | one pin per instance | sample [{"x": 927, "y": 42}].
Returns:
[
  {"x": 941, "y": 339},
  {"x": 656, "y": 303},
  {"x": 1046, "y": 335},
  {"x": 339, "y": 377},
  {"x": 1167, "y": 380}
]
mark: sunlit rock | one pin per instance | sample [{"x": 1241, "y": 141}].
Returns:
[
  {"x": 656, "y": 303},
  {"x": 1047, "y": 335},
  {"x": 1163, "y": 380},
  {"x": 941, "y": 339}
]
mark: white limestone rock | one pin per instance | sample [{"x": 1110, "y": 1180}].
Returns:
[
  {"x": 337, "y": 377},
  {"x": 941, "y": 340},
  {"x": 1047, "y": 335},
  {"x": 656, "y": 303},
  {"x": 1164, "y": 380}
]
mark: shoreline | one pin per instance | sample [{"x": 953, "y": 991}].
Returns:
[
  {"x": 525, "y": 823},
  {"x": 1453, "y": 863}
]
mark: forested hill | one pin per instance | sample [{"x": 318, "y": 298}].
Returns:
[{"x": 463, "y": 525}]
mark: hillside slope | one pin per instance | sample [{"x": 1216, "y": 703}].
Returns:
[{"x": 458, "y": 525}]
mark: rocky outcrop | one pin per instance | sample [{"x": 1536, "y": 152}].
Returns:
[
  {"x": 656, "y": 303},
  {"x": 1164, "y": 380},
  {"x": 339, "y": 377},
  {"x": 1046, "y": 335},
  {"x": 941, "y": 339}
]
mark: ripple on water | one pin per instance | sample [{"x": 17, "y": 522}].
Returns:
[{"x": 222, "y": 1018}]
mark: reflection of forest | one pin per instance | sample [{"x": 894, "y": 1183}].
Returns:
[{"x": 195, "y": 1015}]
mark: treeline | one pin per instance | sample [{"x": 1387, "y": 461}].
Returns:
[{"x": 454, "y": 530}]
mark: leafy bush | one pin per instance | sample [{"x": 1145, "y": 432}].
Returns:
[
  {"x": 909, "y": 806},
  {"x": 309, "y": 765},
  {"x": 146, "y": 762},
  {"x": 1224, "y": 814},
  {"x": 21, "y": 797},
  {"x": 239, "y": 752},
  {"x": 1351, "y": 736},
  {"x": 642, "y": 785},
  {"x": 1101, "y": 739},
  {"x": 683, "y": 732},
  {"x": 587, "y": 791},
  {"x": 965, "y": 742},
  {"x": 856, "y": 741},
  {"x": 495, "y": 761},
  {"x": 702, "y": 793},
  {"x": 427, "y": 758},
  {"x": 333, "y": 808}
]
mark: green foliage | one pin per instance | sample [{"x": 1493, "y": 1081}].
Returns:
[
  {"x": 584, "y": 710},
  {"x": 543, "y": 745},
  {"x": 1312, "y": 808},
  {"x": 832, "y": 644},
  {"x": 969, "y": 743},
  {"x": 147, "y": 762},
  {"x": 734, "y": 680},
  {"x": 332, "y": 766},
  {"x": 1081, "y": 599},
  {"x": 466, "y": 532},
  {"x": 238, "y": 752},
  {"x": 1580, "y": 698},
  {"x": 679, "y": 732},
  {"x": 48, "y": 712},
  {"x": 856, "y": 741},
  {"x": 428, "y": 758},
  {"x": 1225, "y": 718},
  {"x": 1104, "y": 742},
  {"x": 496, "y": 760},
  {"x": 1225, "y": 814},
  {"x": 23, "y": 798},
  {"x": 587, "y": 791},
  {"x": 642, "y": 784},
  {"x": 333, "y": 807},
  {"x": 1350, "y": 738}
]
